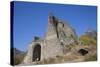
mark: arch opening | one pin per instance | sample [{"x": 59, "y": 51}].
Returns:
[{"x": 36, "y": 53}]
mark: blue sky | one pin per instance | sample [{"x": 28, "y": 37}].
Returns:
[{"x": 30, "y": 19}]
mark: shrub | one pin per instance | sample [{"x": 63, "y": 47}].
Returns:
[
  {"x": 18, "y": 59},
  {"x": 87, "y": 40}
]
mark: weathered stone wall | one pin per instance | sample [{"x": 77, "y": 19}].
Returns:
[{"x": 53, "y": 46}]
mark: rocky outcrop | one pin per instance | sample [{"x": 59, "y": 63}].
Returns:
[{"x": 58, "y": 35}]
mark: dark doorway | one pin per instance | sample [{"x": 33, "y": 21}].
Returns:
[
  {"x": 83, "y": 52},
  {"x": 37, "y": 53}
]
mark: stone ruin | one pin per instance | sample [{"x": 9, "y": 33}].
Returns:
[{"x": 58, "y": 35}]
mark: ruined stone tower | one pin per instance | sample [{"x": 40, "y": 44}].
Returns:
[{"x": 58, "y": 35}]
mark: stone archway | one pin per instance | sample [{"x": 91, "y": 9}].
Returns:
[{"x": 36, "y": 53}]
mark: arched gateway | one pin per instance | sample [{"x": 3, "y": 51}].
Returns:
[{"x": 36, "y": 53}]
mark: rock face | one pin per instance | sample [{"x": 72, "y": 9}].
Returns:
[{"x": 58, "y": 35}]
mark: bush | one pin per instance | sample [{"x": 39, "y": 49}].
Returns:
[
  {"x": 18, "y": 59},
  {"x": 87, "y": 40}
]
